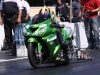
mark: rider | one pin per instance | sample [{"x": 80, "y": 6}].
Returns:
[{"x": 46, "y": 13}]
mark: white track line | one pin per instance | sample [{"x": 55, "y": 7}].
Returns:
[{"x": 5, "y": 60}]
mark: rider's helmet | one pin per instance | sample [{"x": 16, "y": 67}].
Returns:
[{"x": 45, "y": 12}]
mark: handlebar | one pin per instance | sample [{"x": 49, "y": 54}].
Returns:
[{"x": 57, "y": 26}]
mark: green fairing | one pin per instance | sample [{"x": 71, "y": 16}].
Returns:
[
  {"x": 39, "y": 47},
  {"x": 47, "y": 34},
  {"x": 35, "y": 40},
  {"x": 31, "y": 39},
  {"x": 51, "y": 44},
  {"x": 42, "y": 29},
  {"x": 57, "y": 49},
  {"x": 67, "y": 39}
]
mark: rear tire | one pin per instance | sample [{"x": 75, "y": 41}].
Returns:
[
  {"x": 33, "y": 57},
  {"x": 67, "y": 60}
]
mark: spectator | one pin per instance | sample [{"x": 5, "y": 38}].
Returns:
[
  {"x": 11, "y": 10},
  {"x": 76, "y": 8},
  {"x": 24, "y": 19},
  {"x": 91, "y": 7},
  {"x": 62, "y": 9},
  {"x": 25, "y": 12}
]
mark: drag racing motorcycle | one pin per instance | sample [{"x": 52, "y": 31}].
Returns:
[{"x": 47, "y": 42}]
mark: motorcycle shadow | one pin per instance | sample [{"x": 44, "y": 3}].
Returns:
[{"x": 48, "y": 66}]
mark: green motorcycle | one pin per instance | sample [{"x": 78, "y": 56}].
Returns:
[{"x": 47, "y": 43}]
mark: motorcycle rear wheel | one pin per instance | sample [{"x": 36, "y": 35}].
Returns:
[{"x": 33, "y": 57}]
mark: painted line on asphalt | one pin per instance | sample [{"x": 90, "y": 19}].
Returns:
[{"x": 6, "y": 60}]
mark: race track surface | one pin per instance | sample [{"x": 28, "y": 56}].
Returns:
[{"x": 10, "y": 65}]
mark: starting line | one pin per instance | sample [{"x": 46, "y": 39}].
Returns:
[{"x": 6, "y": 60}]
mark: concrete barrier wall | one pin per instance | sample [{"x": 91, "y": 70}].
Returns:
[{"x": 35, "y": 10}]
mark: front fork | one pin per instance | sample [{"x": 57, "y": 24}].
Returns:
[
  {"x": 39, "y": 48},
  {"x": 39, "y": 54}
]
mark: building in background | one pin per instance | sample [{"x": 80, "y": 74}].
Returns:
[
  {"x": 47, "y": 2},
  {"x": 38, "y": 4}
]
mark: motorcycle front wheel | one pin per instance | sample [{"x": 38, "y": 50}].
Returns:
[{"x": 33, "y": 55}]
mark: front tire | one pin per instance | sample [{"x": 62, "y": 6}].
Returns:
[{"x": 33, "y": 55}]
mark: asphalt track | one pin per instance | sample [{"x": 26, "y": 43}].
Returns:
[{"x": 10, "y": 65}]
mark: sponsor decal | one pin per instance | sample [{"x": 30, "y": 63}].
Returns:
[
  {"x": 42, "y": 28},
  {"x": 51, "y": 39}
]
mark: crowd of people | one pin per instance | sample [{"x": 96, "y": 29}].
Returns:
[
  {"x": 13, "y": 12},
  {"x": 86, "y": 10},
  {"x": 63, "y": 10}
]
